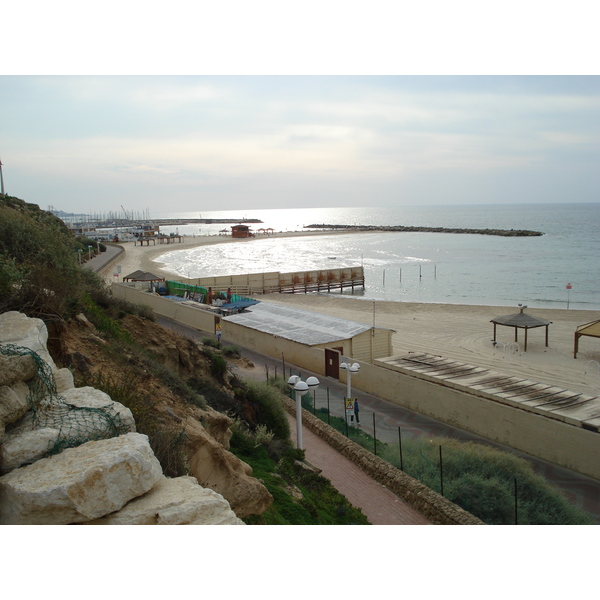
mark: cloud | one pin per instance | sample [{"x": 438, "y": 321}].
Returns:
[{"x": 327, "y": 137}]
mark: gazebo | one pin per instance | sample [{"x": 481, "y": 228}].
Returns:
[
  {"x": 142, "y": 276},
  {"x": 592, "y": 329},
  {"x": 521, "y": 321}
]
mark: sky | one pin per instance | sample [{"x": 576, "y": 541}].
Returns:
[{"x": 258, "y": 135}]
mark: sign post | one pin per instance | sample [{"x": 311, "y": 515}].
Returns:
[
  {"x": 569, "y": 286},
  {"x": 349, "y": 408}
]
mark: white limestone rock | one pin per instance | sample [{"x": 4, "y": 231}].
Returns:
[
  {"x": 63, "y": 378},
  {"x": 15, "y": 368},
  {"x": 89, "y": 397},
  {"x": 23, "y": 448},
  {"x": 179, "y": 501},
  {"x": 21, "y": 330},
  {"x": 27, "y": 442},
  {"x": 79, "y": 484},
  {"x": 13, "y": 404}
]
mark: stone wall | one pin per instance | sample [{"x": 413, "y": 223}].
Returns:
[{"x": 430, "y": 504}]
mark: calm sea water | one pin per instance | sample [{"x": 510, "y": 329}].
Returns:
[{"x": 421, "y": 267}]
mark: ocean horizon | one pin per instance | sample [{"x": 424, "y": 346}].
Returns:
[{"x": 558, "y": 269}]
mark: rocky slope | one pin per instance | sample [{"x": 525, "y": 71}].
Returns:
[{"x": 114, "y": 477}]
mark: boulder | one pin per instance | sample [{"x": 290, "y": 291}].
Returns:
[
  {"x": 16, "y": 368},
  {"x": 179, "y": 501},
  {"x": 25, "y": 447},
  {"x": 14, "y": 404},
  {"x": 217, "y": 468},
  {"x": 19, "y": 329},
  {"x": 89, "y": 397},
  {"x": 63, "y": 378},
  {"x": 59, "y": 425},
  {"x": 79, "y": 484}
]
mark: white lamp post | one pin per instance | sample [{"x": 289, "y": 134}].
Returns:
[
  {"x": 350, "y": 368},
  {"x": 300, "y": 388}
]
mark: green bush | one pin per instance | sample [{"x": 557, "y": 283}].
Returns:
[
  {"x": 39, "y": 273},
  {"x": 212, "y": 342},
  {"x": 231, "y": 351},
  {"x": 320, "y": 503},
  {"x": 269, "y": 408},
  {"x": 476, "y": 477},
  {"x": 218, "y": 365}
]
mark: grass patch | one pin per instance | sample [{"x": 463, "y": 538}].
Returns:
[{"x": 300, "y": 496}]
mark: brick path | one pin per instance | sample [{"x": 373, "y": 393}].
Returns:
[{"x": 378, "y": 504}]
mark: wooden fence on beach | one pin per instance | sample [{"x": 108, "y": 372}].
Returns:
[{"x": 323, "y": 280}]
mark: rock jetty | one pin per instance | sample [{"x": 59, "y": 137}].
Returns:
[{"x": 500, "y": 232}]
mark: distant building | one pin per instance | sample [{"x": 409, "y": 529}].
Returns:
[{"x": 241, "y": 231}]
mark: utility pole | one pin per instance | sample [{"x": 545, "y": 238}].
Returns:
[{"x": 1, "y": 179}]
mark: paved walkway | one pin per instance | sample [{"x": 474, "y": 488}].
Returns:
[{"x": 379, "y": 505}]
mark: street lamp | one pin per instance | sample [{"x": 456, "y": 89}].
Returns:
[
  {"x": 300, "y": 388},
  {"x": 90, "y": 252},
  {"x": 351, "y": 368}
]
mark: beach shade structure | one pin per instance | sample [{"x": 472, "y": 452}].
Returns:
[
  {"x": 521, "y": 320},
  {"x": 591, "y": 329},
  {"x": 142, "y": 276}
]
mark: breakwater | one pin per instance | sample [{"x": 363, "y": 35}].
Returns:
[{"x": 406, "y": 228}]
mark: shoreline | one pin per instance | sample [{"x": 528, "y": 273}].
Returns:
[{"x": 456, "y": 331}]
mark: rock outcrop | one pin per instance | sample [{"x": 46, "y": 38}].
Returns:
[{"x": 72, "y": 455}]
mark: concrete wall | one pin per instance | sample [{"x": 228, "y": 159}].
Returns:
[
  {"x": 202, "y": 320},
  {"x": 550, "y": 439}
]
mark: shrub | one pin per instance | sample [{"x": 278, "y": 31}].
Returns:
[
  {"x": 212, "y": 342},
  {"x": 218, "y": 365},
  {"x": 231, "y": 351},
  {"x": 270, "y": 410}
]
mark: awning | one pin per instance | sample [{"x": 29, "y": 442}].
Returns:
[{"x": 591, "y": 329}]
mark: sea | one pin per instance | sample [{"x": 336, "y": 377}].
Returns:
[{"x": 560, "y": 269}]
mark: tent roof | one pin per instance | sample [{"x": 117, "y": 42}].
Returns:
[
  {"x": 520, "y": 319},
  {"x": 143, "y": 276},
  {"x": 592, "y": 329},
  {"x": 298, "y": 325},
  {"x": 240, "y": 304}
]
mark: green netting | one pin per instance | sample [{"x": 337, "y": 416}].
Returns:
[{"x": 75, "y": 424}]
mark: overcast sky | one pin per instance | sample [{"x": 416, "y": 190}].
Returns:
[{"x": 200, "y": 143}]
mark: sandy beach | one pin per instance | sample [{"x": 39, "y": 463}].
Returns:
[{"x": 459, "y": 332}]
